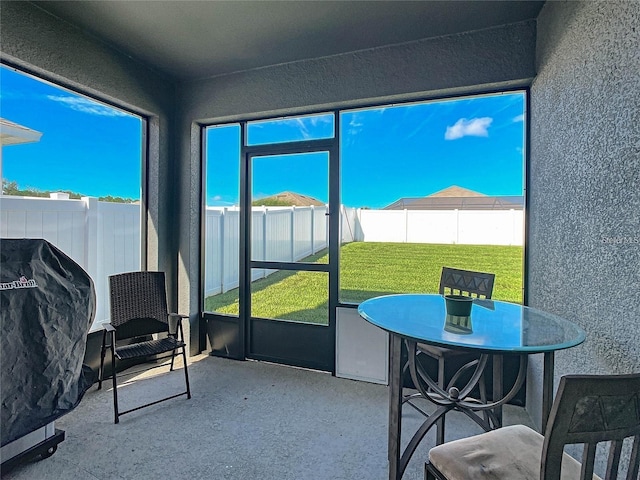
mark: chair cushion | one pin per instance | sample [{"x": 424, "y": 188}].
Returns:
[
  {"x": 508, "y": 453},
  {"x": 151, "y": 347}
]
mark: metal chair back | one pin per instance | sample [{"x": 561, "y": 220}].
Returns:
[
  {"x": 479, "y": 284},
  {"x": 590, "y": 409}
]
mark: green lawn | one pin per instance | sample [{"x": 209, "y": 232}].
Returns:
[{"x": 370, "y": 269}]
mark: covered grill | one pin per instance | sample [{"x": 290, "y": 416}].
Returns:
[{"x": 47, "y": 305}]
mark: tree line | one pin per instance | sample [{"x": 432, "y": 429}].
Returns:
[{"x": 12, "y": 188}]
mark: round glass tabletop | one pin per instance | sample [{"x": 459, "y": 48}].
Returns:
[{"x": 493, "y": 326}]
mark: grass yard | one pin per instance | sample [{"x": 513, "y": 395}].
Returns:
[{"x": 369, "y": 269}]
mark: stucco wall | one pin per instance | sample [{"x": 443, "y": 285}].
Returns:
[
  {"x": 39, "y": 43},
  {"x": 471, "y": 62},
  {"x": 584, "y": 189},
  {"x": 486, "y": 59}
]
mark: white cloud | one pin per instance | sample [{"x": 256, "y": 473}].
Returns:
[
  {"x": 355, "y": 127},
  {"x": 323, "y": 119},
  {"x": 302, "y": 126},
  {"x": 519, "y": 118},
  {"x": 476, "y": 127},
  {"x": 85, "y": 105}
]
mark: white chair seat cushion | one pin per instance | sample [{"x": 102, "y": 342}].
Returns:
[{"x": 508, "y": 453}]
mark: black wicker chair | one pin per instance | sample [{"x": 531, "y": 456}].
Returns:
[
  {"x": 588, "y": 409},
  {"x": 461, "y": 282},
  {"x": 138, "y": 311}
]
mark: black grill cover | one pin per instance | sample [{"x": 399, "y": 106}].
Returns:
[{"x": 47, "y": 305}]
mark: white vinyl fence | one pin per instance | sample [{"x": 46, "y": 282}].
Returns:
[
  {"x": 278, "y": 234},
  {"x": 104, "y": 238},
  {"x": 466, "y": 227}
]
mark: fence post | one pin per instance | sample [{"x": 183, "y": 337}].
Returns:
[
  {"x": 293, "y": 234},
  {"x": 264, "y": 241},
  {"x": 223, "y": 244},
  {"x": 406, "y": 225},
  {"x": 313, "y": 233},
  {"x": 348, "y": 216},
  {"x": 93, "y": 242},
  {"x": 326, "y": 228},
  {"x": 513, "y": 227},
  {"x": 93, "y": 260}
]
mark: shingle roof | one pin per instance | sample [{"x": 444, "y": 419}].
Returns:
[
  {"x": 456, "y": 191},
  {"x": 291, "y": 198},
  {"x": 459, "y": 198}
]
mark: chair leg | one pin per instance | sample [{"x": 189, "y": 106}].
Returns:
[
  {"x": 440, "y": 421},
  {"x": 427, "y": 473},
  {"x": 482, "y": 386},
  {"x": 103, "y": 351},
  {"x": 173, "y": 356},
  {"x": 186, "y": 372},
  {"x": 430, "y": 472},
  {"x": 114, "y": 380}
]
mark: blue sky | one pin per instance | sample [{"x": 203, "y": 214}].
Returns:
[
  {"x": 86, "y": 147},
  {"x": 387, "y": 153}
]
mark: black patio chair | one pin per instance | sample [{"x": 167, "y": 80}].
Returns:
[
  {"x": 588, "y": 409},
  {"x": 460, "y": 282},
  {"x": 139, "y": 312}
]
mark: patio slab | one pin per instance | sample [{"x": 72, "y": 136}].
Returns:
[{"x": 245, "y": 420}]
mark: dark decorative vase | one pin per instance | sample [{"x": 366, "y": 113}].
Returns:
[{"x": 458, "y": 305}]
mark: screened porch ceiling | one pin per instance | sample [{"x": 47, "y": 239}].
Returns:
[{"x": 188, "y": 40}]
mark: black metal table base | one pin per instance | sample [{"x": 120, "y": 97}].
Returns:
[{"x": 486, "y": 414}]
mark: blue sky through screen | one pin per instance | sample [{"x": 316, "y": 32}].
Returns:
[
  {"x": 387, "y": 153},
  {"x": 86, "y": 147}
]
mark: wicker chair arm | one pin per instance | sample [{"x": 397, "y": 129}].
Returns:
[{"x": 175, "y": 324}]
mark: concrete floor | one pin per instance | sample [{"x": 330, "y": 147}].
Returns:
[{"x": 245, "y": 420}]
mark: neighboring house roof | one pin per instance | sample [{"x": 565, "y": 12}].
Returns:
[
  {"x": 13, "y": 134},
  {"x": 295, "y": 199},
  {"x": 459, "y": 198},
  {"x": 456, "y": 191}
]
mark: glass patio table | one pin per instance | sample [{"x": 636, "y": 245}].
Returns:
[{"x": 493, "y": 328}]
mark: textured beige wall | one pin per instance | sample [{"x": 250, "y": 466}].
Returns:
[
  {"x": 584, "y": 220},
  {"x": 467, "y": 62}
]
